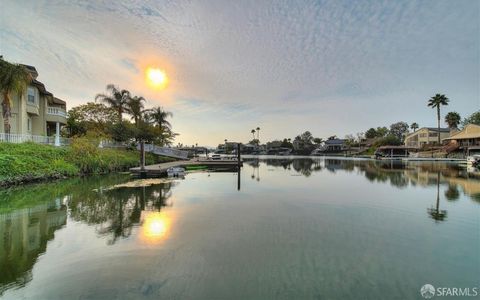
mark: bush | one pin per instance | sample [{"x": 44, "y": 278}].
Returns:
[{"x": 30, "y": 162}]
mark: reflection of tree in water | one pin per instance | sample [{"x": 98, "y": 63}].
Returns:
[
  {"x": 452, "y": 193},
  {"x": 116, "y": 211},
  {"x": 435, "y": 212}
]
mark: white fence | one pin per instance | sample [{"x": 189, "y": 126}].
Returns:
[{"x": 22, "y": 138}]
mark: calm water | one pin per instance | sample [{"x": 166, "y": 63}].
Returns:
[{"x": 296, "y": 229}]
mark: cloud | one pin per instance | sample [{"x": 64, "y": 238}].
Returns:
[{"x": 259, "y": 60}]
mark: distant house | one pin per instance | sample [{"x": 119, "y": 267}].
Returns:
[
  {"x": 425, "y": 136},
  {"x": 36, "y": 114},
  {"x": 335, "y": 145},
  {"x": 466, "y": 139}
]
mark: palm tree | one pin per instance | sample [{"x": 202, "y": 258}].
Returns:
[
  {"x": 435, "y": 102},
  {"x": 453, "y": 119},
  {"x": 258, "y": 134},
  {"x": 14, "y": 78},
  {"x": 135, "y": 108},
  {"x": 159, "y": 117},
  {"x": 414, "y": 126},
  {"x": 117, "y": 99},
  {"x": 435, "y": 212},
  {"x": 253, "y": 133}
]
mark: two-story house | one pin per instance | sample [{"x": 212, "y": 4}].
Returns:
[
  {"x": 36, "y": 114},
  {"x": 425, "y": 136}
]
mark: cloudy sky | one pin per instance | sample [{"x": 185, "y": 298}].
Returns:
[{"x": 331, "y": 67}]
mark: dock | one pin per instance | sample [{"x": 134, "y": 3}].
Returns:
[{"x": 158, "y": 170}]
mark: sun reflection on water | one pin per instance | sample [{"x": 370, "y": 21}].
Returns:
[{"x": 155, "y": 227}]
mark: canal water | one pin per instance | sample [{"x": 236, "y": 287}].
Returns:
[{"x": 281, "y": 229}]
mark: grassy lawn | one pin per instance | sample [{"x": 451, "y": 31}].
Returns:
[{"x": 31, "y": 162}]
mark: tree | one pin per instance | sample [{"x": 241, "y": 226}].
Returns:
[
  {"x": 382, "y": 131},
  {"x": 122, "y": 131},
  {"x": 14, "y": 78},
  {"x": 453, "y": 119},
  {"x": 307, "y": 138},
  {"x": 414, "y": 126},
  {"x": 96, "y": 117},
  {"x": 116, "y": 99},
  {"x": 253, "y": 133},
  {"x": 390, "y": 140},
  {"x": 318, "y": 141},
  {"x": 371, "y": 133},
  {"x": 435, "y": 102},
  {"x": 258, "y": 134},
  {"x": 399, "y": 129},
  {"x": 472, "y": 119},
  {"x": 135, "y": 108},
  {"x": 159, "y": 117}
]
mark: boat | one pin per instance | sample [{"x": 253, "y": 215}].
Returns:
[
  {"x": 473, "y": 161},
  {"x": 176, "y": 172}
]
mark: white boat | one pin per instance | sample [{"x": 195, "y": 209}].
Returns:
[
  {"x": 473, "y": 161},
  {"x": 176, "y": 172}
]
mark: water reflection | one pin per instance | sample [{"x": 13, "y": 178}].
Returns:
[
  {"x": 397, "y": 173},
  {"x": 24, "y": 235},
  {"x": 113, "y": 212},
  {"x": 337, "y": 221},
  {"x": 155, "y": 227},
  {"x": 435, "y": 212}
]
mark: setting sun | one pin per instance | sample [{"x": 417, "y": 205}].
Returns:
[{"x": 156, "y": 78}]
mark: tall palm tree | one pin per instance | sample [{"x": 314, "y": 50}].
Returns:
[
  {"x": 253, "y": 133},
  {"x": 435, "y": 102},
  {"x": 414, "y": 126},
  {"x": 14, "y": 78},
  {"x": 135, "y": 108},
  {"x": 453, "y": 119},
  {"x": 435, "y": 212},
  {"x": 159, "y": 117},
  {"x": 116, "y": 99},
  {"x": 258, "y": 134}
]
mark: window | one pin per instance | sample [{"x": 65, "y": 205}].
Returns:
[
  {"x": 31, "y": 95},
  {"x": 432, "y": 134},
  {"x": 29, "y": 124}
]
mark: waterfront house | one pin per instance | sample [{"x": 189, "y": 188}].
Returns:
[
  {"x": 425, "y": 136},
  {"x": 335, "y": 145},
  {"x": 467, "y": 139},
  {"x": 36, "y": 114}
]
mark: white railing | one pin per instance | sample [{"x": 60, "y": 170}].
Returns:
[
  {"x": 56, "y": 111},
  {"x": 165, "y": 151},
  {"x": 22, "y": 138}
]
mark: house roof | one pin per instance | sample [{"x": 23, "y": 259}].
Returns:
[
  {"x": 31, "y": 69},
  {"x": 335, "y": 142},
  {"x": 59, "y": 101},
  {"x": 471, "y": 131},
  {"x": 41, "y": 87},
  {"x": 434, "y": 129}
]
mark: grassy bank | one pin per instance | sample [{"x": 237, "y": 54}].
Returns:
[{"x": 29, "y": 162}]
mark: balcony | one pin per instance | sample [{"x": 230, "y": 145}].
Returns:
[
  {"x": 56, "y": 114},
  {"x": 56, "y": 111}
]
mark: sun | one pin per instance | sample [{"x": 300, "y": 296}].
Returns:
[{"x": 156, "y": 78}]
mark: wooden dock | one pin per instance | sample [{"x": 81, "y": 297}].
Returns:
[{"x": 158, "y": 170}]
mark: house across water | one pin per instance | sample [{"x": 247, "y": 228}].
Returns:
[
  {"x": 37, "y": 115},
  {"x": 426, "y": 136}
]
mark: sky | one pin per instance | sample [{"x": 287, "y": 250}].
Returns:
[{"x": 330, "y": 67}]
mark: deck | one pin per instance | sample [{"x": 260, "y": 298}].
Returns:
[{"x": 161, "y": 169}]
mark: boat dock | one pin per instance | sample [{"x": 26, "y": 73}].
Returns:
[{"x": 158, "y": 170}]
